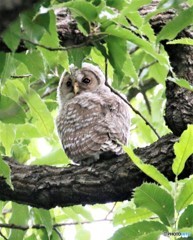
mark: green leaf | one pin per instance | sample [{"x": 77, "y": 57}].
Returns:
[
  {"x": 184, "y": 41},
  {"x": 5, "y": 171},
  {"x": 50, "y": 39},
  {"x": 54, "y": 158},
  {"x": 116, "y": 4},
  {"x": 83, "y": 8},
  {"x": 31, "y": 30},
  {"x": 186, "y": 195},
  {"x": 80, "y": 210},
  {"x": 71, "y": 214},
  {"x": 157, "y": 200},
  {"x": 148, "y": 47},
  {"x": 136, "y": 230},
  {"x": 20, "y": 152},
  {"x": 76, "y": 56},
  {"x": 143, "y": 27},
  {"x": 7, "y": 67},
  {"x": 176, "y": 25},
  {"x": 40, "y": 112},
  {"x": 129, "y": 69},
  {"x": 10, "y": 90},
  {"x": 10, "y": 111},
  {"x": 20, "y": 86},
  {"x": 42, "y": 18},
  {"x": 46, "y": 220},
  {"x": 83, "y": 25},
  {"x": 158, "y": 72},
  {"x": 26, "y": 131},
  {"x": 152, "y": 235},
  {"x": 12, "y": 35},
  {"x": 82, "y": 234},
  {"x": 34, "y": 237},
  {"x": 20, "y": 216},
  {"x": 34, "y": 62},
  {"x": 181, "y": 82},
  {"x": 136, "y": 4},
  {"x": 117, "y": 54},
  {"x": 7, "y": 136},
  {"x": 186, "y": 219},
  {"x": 183, "y": 149},
  {"x": 148, "y": 169},
  {"x": 128, "y": 215}
]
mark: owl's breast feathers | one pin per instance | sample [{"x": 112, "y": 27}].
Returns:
[{"x": 91, "y": 124}]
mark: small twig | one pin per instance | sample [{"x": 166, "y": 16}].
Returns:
[
  {"x": 21, "y": 76},
  {"x": 146, "y": 101},
  {"x": 58, "y": 48},
  {"x": 106, "y": 69},
  {"x": 135, "y": 111},
  {"x": 1, "y": 234},
  {"x": 141, "y": 86},
  {"x": 133, "y": 50},
  {"x": 90, "y": 40},
  {"x": 85, "y": 222},
  {"x": 48, "y": 92},
  {"x": 58, "y": 232},
  {"x": 37, "y": 226},
  {"x": 147, "y": 66},
  {"x": 106, "y": 217}
]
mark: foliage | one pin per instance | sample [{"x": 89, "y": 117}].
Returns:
[
  {"x": 28, "y": 108},
  {"x": 169, "y": 206}
]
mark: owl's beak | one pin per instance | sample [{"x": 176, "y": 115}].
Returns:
[{"x": 76, "y": 88}]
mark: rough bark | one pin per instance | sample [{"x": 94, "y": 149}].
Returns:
[
  {"x": 178, "y": 112},
  {"x": 179, "y": 100},
  {"x": 109, "y": 180}
]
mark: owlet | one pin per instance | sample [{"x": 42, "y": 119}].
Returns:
[{"x": 92, "y": 120}]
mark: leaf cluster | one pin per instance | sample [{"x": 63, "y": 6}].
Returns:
[{"x": 160, "y": 209}]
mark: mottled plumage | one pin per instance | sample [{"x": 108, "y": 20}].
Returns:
[{"x": 92, "y": 119}]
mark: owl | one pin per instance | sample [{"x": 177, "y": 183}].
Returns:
[{"x": 92, "y": 120}]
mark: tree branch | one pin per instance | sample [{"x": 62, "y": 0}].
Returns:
[
  {"x": 106, "y": 181},
  {"x": 1, "y": 234},
  {"x": 38, "y": 226},
  {"x": 135, "y": 110}
]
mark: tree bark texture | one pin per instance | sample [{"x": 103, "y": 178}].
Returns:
[
  {"x": 178, "y": 112},
  {"x": 107, "y": 181},
  {"x": 114, "y": 179}
]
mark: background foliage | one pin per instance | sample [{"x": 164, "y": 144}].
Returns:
[{"x": 28, "y": 107}]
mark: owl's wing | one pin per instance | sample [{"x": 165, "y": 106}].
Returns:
[
  {"x": 91, "y": 125},
  {"x": 117, "y": 120},
  {"x": 76, "y": 125}
]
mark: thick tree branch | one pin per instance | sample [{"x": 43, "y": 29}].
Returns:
[{"x": 106, "y": 181}]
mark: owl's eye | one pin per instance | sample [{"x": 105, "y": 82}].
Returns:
[
  {"x": 86, "y": 80},
  {"x": 69, "y": 83}
]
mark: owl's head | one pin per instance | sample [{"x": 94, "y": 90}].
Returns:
[{"x": 87, "y": 79}]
